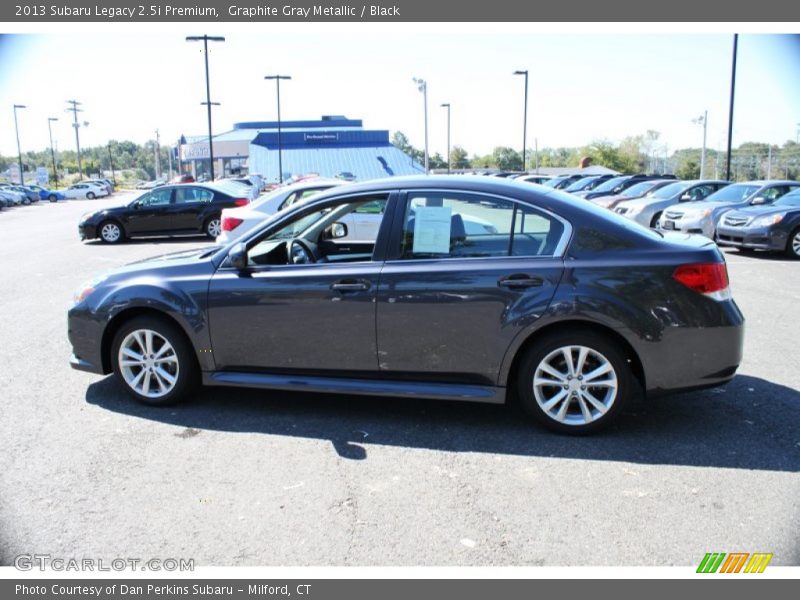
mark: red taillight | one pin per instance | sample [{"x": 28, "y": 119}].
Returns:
[
  {"x": 710, "y": 279},
  {"x": 241, "y": 202},
  {"x": 230, "y": 223}
]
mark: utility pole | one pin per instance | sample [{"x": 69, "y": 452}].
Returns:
[
  {"x": 75, "y": 110},
  {"x": 447, "y": 106},
  {"x": 703, "y": 120},
  {"x": 422, "y": 86},
  {"x": 19, "y": 152},
  {"x": 111, "y": 162},
  {"x": 536, "y": 153},
  {"x": 277, "y": 79},
  {"x": 769, "y": 163},
  {"x": 205, "y": 39},
  {"x": 52, "y": 152},
  {"x": 157, "y": 149},
  {"x": 730, "y": 109}
]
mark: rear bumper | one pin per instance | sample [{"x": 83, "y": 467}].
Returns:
[
  {"x": 761, "y": 238},
  {"x": 696, "y": 357}
]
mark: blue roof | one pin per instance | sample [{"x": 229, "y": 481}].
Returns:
[{"x": 365, "y": 162}]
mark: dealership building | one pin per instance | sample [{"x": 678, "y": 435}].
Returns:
[{"x": 331, "y": 146}]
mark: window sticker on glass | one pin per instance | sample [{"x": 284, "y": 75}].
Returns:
[{"x": 432, "y": 230}]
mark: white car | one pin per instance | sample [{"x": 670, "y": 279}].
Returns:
[
  {"x": 237, "y": 221},
  {"x": 85, "y": 190}
]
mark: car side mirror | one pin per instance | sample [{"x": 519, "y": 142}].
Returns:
[
  {"x": 336, "y": 231},
  {"x": 758, "y": 200},
  {"x": 237, "y": 257}
]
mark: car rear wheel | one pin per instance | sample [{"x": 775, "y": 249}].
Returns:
[
  {"x": 90, "y": 195},
  {"x": 111, "y": 232},
  {"x": 793, "y": 245},
  {"x": 52, "y": 198},
  {"x": 574, "y": 383},
  {"x": 153, "y": 361},
  {"x": 213, "y": 227}
]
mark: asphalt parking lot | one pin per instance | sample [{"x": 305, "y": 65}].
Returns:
[{"x": 253, "y": 478}]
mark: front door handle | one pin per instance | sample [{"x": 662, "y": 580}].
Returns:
[
  {"x": 520, "y": 280},
  {"x": 351, "y": 285}
]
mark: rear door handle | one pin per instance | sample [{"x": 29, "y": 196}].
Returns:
[
  {"x": 351, "y": 285},
  {"x": 520, "y": 280}
]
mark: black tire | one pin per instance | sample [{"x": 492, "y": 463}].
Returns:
[
  {"x": 795, "y": 235},
  {"x": 186, "y": 373},
  {"x": 573, "y": 423},
  {"x": 52, "y": 198},
  {"x": 208, "y": 226},
  {"x": 90, "y": 195},
  {"x": 110, "y": 239},
  {"x": 654, "y": 220}
]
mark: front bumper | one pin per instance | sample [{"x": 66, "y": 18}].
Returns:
[
  {"x": 702, "y": 225},
  {"x": 85, "y": 333},
  {"x": 87, "y": 231},
  {"x": 757, "y": 238}
]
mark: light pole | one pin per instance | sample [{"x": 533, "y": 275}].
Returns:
[
  {"x": 205, "y": 39},
  {"x": 277, "y": 79},
  {"x": 730, "y": 109},
  {"x": 19, "y": 152},
  {"x": 157, "y": 157},
  {"x": 52, "y": 152},
  {"x": 447, "y": 106},
  {"x": 703, "y": 120},
  {"x": 422, "y": 86},
  {"x": 524, "y": 117}
]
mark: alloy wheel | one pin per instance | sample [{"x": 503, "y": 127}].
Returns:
[
  {"x": 110, "y": 232},
  {"x": 214, "y": 227},
  {"x": 148, "y": 363},
  {"x": 796, "y": 244},
  {"x": 575, "y": 385}
]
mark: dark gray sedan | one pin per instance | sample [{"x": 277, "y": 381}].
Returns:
[
  {"x": 773, "y": 226},
  {"x": 569, "y": 305}
]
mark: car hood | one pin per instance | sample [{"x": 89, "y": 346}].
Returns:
[
  {"x": 638, "y": 202},
  {"x": 697, "y": 207},
  {"x": 112, "y": 210},
  {"x": 759, "y": 211}
]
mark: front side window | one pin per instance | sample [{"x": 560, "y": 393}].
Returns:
[
  {"x": 157, "y": 198},
  {"x": 457, "y": 225}
]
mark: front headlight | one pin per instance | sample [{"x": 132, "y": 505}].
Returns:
[
  {"x": 87, "y": 288},
  {"x": 767, "y": 220}
]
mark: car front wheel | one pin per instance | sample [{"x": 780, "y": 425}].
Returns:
[
  {"x": 793, "y": 245},
  {"x": 90, "y": 195},
  {"x": 52, "y": 198},
  {"x": 153, "y": 361},
  {"x": 574, "y": 383},
  {"x": 111, "y": 232}
]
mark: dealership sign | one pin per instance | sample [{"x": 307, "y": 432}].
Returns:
[
  {"x": 321, "y": 137},
  {"x": 195, "y": 151}
]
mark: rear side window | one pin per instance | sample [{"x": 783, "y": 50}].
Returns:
[
  {"x": 457, "y": 225},
  {"x": 188, "y": 195}
]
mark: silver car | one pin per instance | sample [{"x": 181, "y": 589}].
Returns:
[
  {"x": 647, "y": 210},
  {"x": 702, "y": 217}
]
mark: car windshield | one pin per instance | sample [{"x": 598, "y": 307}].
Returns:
[
  {"x": 790, "y": 199},
  {"x": 554, "y": 181},
  {"x": 609, "y": 185},
  {"x": 640, "y": 189},
  {"x": 668, "y": 191},
  {"x": 580, "y": 184},
  {"x": 733, "y": 193}
]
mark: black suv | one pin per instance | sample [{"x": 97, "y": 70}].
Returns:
[{"x": 169, "y": 210}]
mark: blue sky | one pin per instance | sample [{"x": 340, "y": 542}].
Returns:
[{"x": 582, "y": 87}]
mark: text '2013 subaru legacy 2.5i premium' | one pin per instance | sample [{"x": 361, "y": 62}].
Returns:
[{"x": 568, "y": 304}]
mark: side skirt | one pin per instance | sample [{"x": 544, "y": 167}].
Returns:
[{"x": 366, "y": 387}]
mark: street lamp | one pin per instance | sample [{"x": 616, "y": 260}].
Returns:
[
  {"x": 524, "y": 116},
  {"x": 702, "y": 120},
  {"x": 277, "y": 79},
  {"x": 730, "y": 109},
  {"x": 52, "y": 152},
  {"x": 447, "y": 106},
  {"x": 19, "y": 152},
  {"x": 422, "y": 86},
  {"x": 205, "y": 39}
]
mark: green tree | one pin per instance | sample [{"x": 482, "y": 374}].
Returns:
[
  {"x": 458, "y": 158},
  {"x": 507, "y": 158}
]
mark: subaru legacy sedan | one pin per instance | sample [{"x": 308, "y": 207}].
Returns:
[{"x": 570, "y": 306}]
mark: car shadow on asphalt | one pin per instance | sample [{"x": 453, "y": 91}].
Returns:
[
  {"x": 748, "y": 424},
  {"x": 198, "y": 239}
]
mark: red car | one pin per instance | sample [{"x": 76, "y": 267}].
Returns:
[{"x": 183, "y": 178}]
